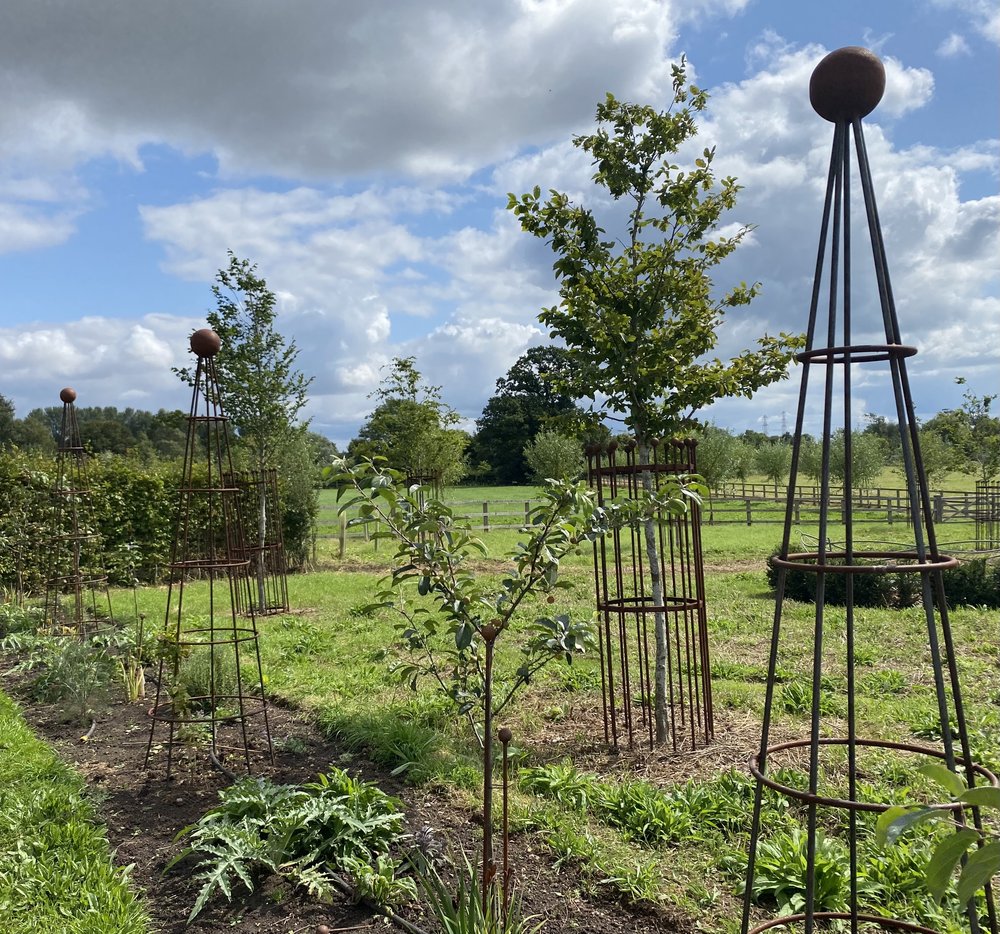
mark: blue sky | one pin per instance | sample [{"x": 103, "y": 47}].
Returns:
[{"x": 361, "y": 155}]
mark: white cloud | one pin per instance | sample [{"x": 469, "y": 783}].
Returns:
[
  {"x": 983, "y": 14},
  {"x": 400, "y": 128},
  {"x": 102, "y": 358},
  {"x": 343, "y": 89},
  {"x": 953, "y": 46}
]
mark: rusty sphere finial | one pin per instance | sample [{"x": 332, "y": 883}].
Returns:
[
  {"x": 67, "y": 395},
  {"x": 847, "y": 83},
  {"x": 205, "y": 342}
]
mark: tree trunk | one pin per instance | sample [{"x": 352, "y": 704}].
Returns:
[{"x": 649, "y": 528}]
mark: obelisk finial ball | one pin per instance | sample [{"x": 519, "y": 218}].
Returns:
[
  {"x": 67, "y": 395},
  {"x": 205, "y": 343},
  {"x": 848, "y": 83}
]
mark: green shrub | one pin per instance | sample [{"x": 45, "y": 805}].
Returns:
[{"x": 973, "y": 583}]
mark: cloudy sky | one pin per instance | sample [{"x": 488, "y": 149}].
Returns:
[{"x": 361, "y": 153}]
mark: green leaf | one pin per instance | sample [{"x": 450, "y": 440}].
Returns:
[
  {"x": 985, "y": 796},
  {"x": 982, "y": 866},
  {"x": 943, "y": 777},
  {"x": 897, "y": 820},
  {"x": 463, "y": 636},
  {"x": 945, "y": 858}
]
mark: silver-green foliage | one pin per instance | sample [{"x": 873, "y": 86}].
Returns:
[
  {"x": 302, "y": 833},
  {"x": 552, "y": 455}
]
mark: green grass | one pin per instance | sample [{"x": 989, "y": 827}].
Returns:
[{"x": 56, "y": 872}]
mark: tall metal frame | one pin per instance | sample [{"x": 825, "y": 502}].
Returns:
[
  {"x": 846, "y": 86},
  {"x": 74, "y": 557},
  {"x": 627, "y": 609},
  {"x": 208, "y": 550}
]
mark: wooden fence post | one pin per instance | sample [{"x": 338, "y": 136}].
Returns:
[
  {"x": 527, "y": 512},
  {"x": 749, "y": 513},
  {"x": 939, "y": 507},
  {"x": 486, "y": 517}
]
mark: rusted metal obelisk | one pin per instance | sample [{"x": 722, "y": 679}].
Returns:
[{"x": 833, "y": 756}]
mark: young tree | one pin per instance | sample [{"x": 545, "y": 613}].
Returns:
[
  {"x": 412, "y": 428},
  {"x": 774, "y": 460},
  {"x": 554, "y": 456},
  {"x": 869, "y": 454},
  {"x": 263, "y": 393},
  {"x": 638, "y": 313},
  {"x": 973, "y": 434}
]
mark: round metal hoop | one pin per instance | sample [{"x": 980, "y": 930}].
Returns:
[
  {"x": 810, "y": 561},
  {"x": 809, "y": 798}
]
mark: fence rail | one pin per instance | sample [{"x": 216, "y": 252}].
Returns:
[{"x": 732, "y": 503}]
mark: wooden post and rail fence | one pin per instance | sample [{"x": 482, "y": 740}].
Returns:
[{"x": 730, "y": 503}]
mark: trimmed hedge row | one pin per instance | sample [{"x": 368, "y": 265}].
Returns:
[
  {"x": 132, "y": 507},
  {"x": 975, "y": 582}
]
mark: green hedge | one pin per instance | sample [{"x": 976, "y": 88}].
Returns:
[
  {"x": 133, "y": 508},
  {"x": 975, "y": 582}
]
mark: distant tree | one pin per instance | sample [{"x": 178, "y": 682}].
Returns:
[
  {"x": 869, "y": 455},
  {"x": 936, "y": 456},
  {"x": 35, "y": 432},
  {"x": 526, "y": 400},
  {"x": 263, "y": 392},
  {"x": 973, "y": 434},
  {"x": 554, "y": 456},
  {"x": 773, "y": 460},
  {"x": 888, "y": 431},
  {"x": 106, "y": 435},
  {"x": 412, "y": 428},
  {"x": 716, "y": 456},
  {"x": 638, "y": 313},
  {"x": 7, "y": 421},
  {"x": 324, "y": 451},
  {"x": 167, "y": 433},
  {"x": 743, "y": 460},
  {"x": 811, "y": 458}
]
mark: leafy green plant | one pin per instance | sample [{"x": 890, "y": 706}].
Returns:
[
  {"x": 299, "y": 832},
  {"x": 560, "y": 781},
  {"x": 642, "y": 812},
  {"x": 780, "y": 872},
  {"x": 76, "y": 674},
  {"x": 976, "y": 851},
  {"x": 377, "y": 881}
]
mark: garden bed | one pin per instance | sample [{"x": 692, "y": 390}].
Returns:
[{"x": 143, "y": 814}]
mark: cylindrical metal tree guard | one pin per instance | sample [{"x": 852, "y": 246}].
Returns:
[
  {"x": 209, "y": 687},
  {"x": 987, "y": 515},
  {"x": 263, "y": 544},
  {"x": 77, "y": 601},
  {"x": 627, "y": 610},
  {"x": 834, "y": 758}
]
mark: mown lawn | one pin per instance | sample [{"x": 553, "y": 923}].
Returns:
[{"x": 57, "y": 871}]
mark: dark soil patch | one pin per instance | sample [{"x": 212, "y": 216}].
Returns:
[{"x": 143, "y": 813}]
